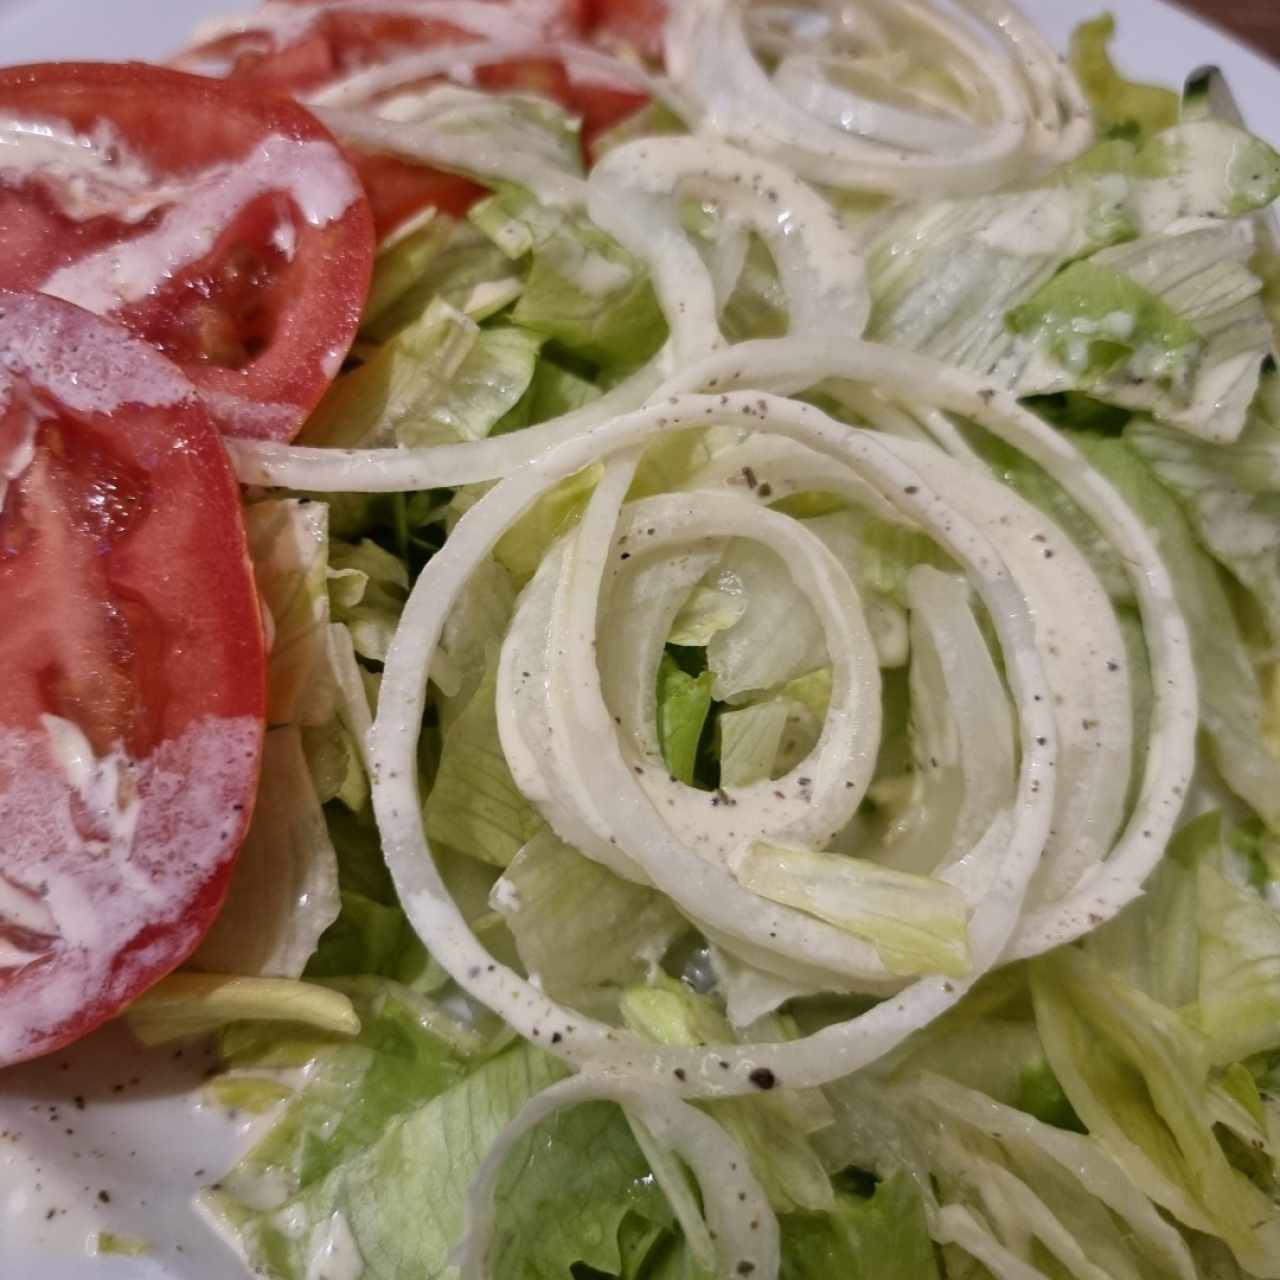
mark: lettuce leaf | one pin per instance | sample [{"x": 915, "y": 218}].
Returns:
[
  {"x": 751, "y": 742},
  {"x": 474, "y": 805},
  {"x": 1232, "y": 706},
  {"x": 385, "y": 1187},
  {"x": 583, "y": 290},
  {"x": 193, "y": 1004},
  {"x": 776, "y": 636},
  {"x": 1005, "y": 1194},
  {"x": 1093, "y": 320},
  {"x": 1206, "y": 938},
  {"x": 1206, "y": 276},
  {"x": 1122, "y": 108},
  {"x": 440, "y": 379},
  {"x": 288, "y": 544},
  {"x": 917, "y": 924},
  {"x": 576, "y": 925},
  {"x": 520, "y": 550},
  {"x": 284, "y": 888},
  {"x": 1139, "y": 1076},
  {"x": 341, "y": 1094},
  {"x": 684, "y": 702},
  {"x": 1239, "y": 980},
  {"x": 368, "y": 587},
  {"x": 943, "y": 273},
  {"x": 444, "y": 259},
  {"x": 1202, "y": 168},
  {"x": 1230, "y": 494},
  {"x": 368, "y": 937},
  {"x": 882, "y": 1237}
]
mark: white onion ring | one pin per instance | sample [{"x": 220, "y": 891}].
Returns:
[
  {"x": 732, "y": 1196},
  {"x": 836, "y": 1050},
  {"x": 1041, "y": 119}
]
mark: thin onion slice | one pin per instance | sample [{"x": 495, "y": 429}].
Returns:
[
  {"x": 726, "y": 1069},
  {"x": 742, "y": 1226},
  {"x": 1040, "y": 119}
]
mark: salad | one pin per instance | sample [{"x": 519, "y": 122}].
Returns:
[{"x": 664, "y": 626}]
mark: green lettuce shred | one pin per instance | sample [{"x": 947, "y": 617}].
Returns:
[{"x": 1122, "y": 108}]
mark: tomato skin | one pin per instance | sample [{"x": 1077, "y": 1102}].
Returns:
[
  {"x": 305, "y": 299},
  {"x": 544, "y": 76},
  {"x": 251, "y": 59},
  {"x": 130, "y": 614},
  {"x": 339, "y": 42},
  {"x": 397, "y": 189},
  {"x": 336, "y": 44},
  {"x": 628, "y": 24},
  {"x": 601, "y": 107}
]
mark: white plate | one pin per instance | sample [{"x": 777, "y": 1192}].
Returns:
[{"x": 75, "y": 1125}]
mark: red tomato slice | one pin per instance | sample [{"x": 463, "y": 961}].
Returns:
[
  {"x": 335, "y": 44},
  {"x": 628, "y": 25},
  {"x": 398, "y": 190},
  {"x": 601, "y": 107},
  {"x": 133, "y": 699},
  {"x": 333, "y": 38},
  {"x": 544, "y": 76},
  {"x": 224, "y": 226}
]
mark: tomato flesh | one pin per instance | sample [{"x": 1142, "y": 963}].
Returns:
[
  {"x": 339, "y": 42},
  {"x": 335, "y": 44},
  {"x": 132, "y": 709},
  {"x": 246, "y": 241},
  {"x": 399, "y": 190},
  {"x": 628, "y": 25}
]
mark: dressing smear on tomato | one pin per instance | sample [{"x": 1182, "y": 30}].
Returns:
[
  {"x": 239, "y": 244},
  {"x": 132, "y": 710}
]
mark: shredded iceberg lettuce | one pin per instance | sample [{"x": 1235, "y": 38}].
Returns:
[{"x": 774, "y": 754}]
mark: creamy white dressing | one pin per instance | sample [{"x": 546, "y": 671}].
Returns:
[
  {"x": 260, "y": 418},
  {"x": 93, "y": 174},
  {"x": 312, "y": 173},
  {"x": 101, "y": 844},
  {"x": 107, "y": 789},
  {"x": 285, "y": 240},
  {"x": 20, "y": 418},
  {"x": 1201, "y": 157},
  {"x": 144, "y": 1136},
  {"x": 110, "y": 369}
]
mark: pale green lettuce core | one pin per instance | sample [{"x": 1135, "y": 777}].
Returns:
[
  {"x": 917, "y": 924},
  {"x": 1122, "y": 108},
  {"x": 441, "y": 378},
  {"x": 189, "y": 1004}
]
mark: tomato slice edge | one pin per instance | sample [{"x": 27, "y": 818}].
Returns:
[{"x": 115, "y": 864}]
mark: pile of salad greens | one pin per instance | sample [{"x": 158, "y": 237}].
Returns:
[{"x": 775, "y": 689}]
